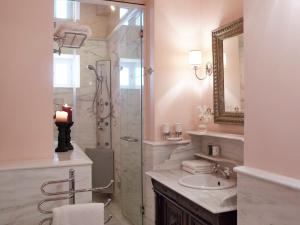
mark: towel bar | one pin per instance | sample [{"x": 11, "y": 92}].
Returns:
[
  {"x": 71, "y": 195},
  {"x": 71, "y": 192},
  {"x": 61, "y": 41}
]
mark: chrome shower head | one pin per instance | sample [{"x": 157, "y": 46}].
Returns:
[{"x": 91, "y": 67}]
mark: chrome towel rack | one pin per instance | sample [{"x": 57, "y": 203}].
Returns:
[
  {"x": 70, "y": 195},
  {"x": 61, "y": 41}
]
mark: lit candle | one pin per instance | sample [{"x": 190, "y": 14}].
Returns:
[
  {"x": 61, "y": 117},
  {"x": 68, "y": 109}
]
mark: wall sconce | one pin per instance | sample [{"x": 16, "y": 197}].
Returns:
[{"x": 195, "y": 59}]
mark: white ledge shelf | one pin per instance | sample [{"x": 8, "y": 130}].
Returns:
[
  {"x": 165, "y": 143},
  {"x": 238, "y": 137},
  {"x": 217, "y": 159},
  {"x": 269, "y": 177},
  {"x": 76, "y": 157}
]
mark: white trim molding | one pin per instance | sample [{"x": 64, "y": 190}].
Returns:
[{"x": 269, "y": 177}]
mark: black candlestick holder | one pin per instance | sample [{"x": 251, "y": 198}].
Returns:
[
  {"x": 68, "y": 136},
  {"x": 62, "y": 141}
]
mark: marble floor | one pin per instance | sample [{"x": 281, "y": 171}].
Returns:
[{"x": 114, "y": 210}]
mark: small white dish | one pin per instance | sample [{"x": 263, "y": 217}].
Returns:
[{"x": 174, "y": 138}]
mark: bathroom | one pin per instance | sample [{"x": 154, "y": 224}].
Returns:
[{"x": 149, "y": 89}]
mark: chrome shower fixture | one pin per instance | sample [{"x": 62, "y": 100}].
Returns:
[{"x": 93, "y": 68}]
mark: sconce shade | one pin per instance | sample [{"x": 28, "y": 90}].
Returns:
[{"x": 195, "y": 58}]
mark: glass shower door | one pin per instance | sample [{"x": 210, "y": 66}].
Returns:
[{"x": 131, "y": 91}]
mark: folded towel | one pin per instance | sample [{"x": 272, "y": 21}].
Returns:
[
  {"x": 197, "y": 164},
  {"x": 194, "y": 171},
  {"x": 79, "y": 214}
]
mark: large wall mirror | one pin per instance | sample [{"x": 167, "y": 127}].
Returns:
[{"x": 228, "y": 61}]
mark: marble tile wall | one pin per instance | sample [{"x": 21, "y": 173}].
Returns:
[
  {"x": 84, "y": 129},
  {"x": 20, "y": 192},
  {"x": 230, "y": 149},
  {"x": 113, "y": 53},
  {"x": 85, "y": 133},
  {"x": 104, "y": 115},
  {"x": 262, "y": 202}
]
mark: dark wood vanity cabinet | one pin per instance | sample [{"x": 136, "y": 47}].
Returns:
[{"x": 174, "y": 209}]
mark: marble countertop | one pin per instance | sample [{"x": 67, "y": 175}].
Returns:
[
  {"x": 165, "y": 143},
  {"x": 238, "y": 137},
  {"x": 76, "y": 157},
  {"x": 215, "y": 201}
]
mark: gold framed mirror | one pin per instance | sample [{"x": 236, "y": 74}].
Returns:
[{"x": 228, "y": 69}]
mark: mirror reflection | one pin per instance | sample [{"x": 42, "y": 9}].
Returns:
[{"x": 233, "y": 61}]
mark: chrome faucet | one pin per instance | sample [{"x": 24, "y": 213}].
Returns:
[{"x": 224, "y": 171}]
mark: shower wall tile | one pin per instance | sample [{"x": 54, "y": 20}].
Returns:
[
  {"x": 85, "y": 132},
  {"x": 20, "y": 192},
  {"x": 230, "y": 148},
  {"x": 84, "y": 129},
  {"x": 116, "y": 101}
]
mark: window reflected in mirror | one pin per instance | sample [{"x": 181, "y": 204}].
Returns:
[{"x": 233, "y": 61}]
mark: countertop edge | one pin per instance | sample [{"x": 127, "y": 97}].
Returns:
[
  {"x": 81, "y": 160},
  {"x": 46, "y": 165}
]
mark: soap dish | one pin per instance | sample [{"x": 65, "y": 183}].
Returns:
[{"x": 174, "y": 138}]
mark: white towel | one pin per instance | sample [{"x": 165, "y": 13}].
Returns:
[
  {"x": 194, "y": 171},
  {"x": 79, "y": 214},
  {"x": 197, "y": 164}
]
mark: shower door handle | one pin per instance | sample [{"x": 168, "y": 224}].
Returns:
[{"x": 129, "y": 139}]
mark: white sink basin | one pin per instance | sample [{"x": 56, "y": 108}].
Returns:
[{"x": 206, "y": 182}]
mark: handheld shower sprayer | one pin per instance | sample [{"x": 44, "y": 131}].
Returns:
[{"x": 93, "y": 68}]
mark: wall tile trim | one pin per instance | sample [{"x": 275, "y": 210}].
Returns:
[{"x": 270, "y": 177}]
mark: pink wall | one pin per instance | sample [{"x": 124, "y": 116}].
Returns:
[
  {"x": 26, "y": 80},
  {"x": 149, "y": 79},
  {"x": 179, "y": 27},
  {"x": 272, "y": 55}
]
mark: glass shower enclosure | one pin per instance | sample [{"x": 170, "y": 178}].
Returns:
[
  {"x": 103, "y": 83},
  {"x": 131, "y": 120}
]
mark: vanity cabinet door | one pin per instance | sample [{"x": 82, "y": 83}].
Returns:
[
  {"x": 160, "y": 210},
  {"x": 173, "y": 209},
  {"x": 174, "y": 215},
  {"x": 194, "y": 221}
]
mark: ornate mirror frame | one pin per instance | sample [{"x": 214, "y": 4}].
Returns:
[{"x": 220, "y": 115}]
